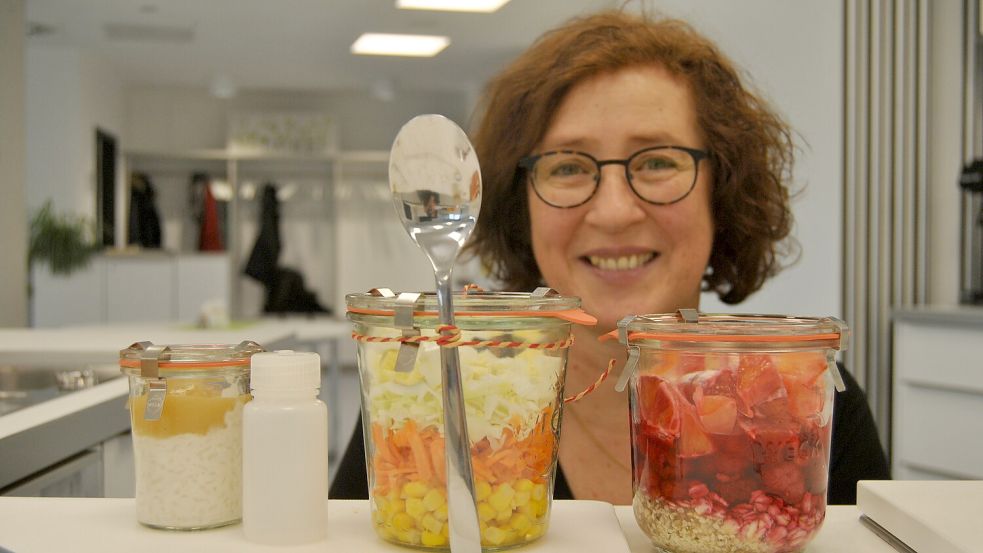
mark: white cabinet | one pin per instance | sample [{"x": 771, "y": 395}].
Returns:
[
  {"x": 79, "y": 298},
  {"x": 200, "y": 279},
  {"x": 140, "y": 289},
  {"x": 938, "y": 393},
  {"x": 144, "y": 287}
]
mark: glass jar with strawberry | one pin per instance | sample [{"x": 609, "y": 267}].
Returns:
[{"x": 730, "y": 423}]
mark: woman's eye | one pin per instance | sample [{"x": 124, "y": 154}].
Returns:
[
  {"x": 656, "y": 164},
  {"x": 568, "y": 170}
]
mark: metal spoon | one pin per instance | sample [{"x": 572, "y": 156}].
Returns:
[{"x": 436, "y": 187}]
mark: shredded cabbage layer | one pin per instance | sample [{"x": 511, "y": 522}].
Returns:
[{"x": 499, "y": 391}]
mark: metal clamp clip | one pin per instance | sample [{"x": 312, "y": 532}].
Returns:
[
  {"x": 382, "y": 293},
  {"x": 544, "y": 292},
  {"x": 688, "y": 315},
  {"x": 156, "y": 385},
  {"x": 403, "y": 319},
  {"x": 634, "y": 352},
  {"x": 623, "y": 329}
]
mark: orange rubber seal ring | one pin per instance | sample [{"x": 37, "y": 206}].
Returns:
[{"x": 676, "y": 337}]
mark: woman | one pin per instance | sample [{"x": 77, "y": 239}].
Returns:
[{"x": 570, "y": 136}]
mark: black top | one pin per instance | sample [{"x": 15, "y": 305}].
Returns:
[{"x": 855, "y": 454}]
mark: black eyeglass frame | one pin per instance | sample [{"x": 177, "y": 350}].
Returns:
[{"x": 527, "y": 163}]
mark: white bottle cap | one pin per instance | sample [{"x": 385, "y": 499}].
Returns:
[{"x": 285, "y": 370}]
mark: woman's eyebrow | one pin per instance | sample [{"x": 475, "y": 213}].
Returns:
[{"x": 659, "y": 138}]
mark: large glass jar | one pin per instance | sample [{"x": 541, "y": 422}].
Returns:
[
  {"x": 730, "y": 424},
  {"x": 512, "y": 395},
  {"x": 185, "y": 407}
]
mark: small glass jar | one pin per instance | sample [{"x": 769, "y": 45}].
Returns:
[
  {"x": 512, "y": 396},
  {"x": 185, "y": 407},
  {"x": 730, "y": 427}
]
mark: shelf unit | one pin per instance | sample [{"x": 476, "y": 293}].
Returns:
[{"x": 312, "y": 221}]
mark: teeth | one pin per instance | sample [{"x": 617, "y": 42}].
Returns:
[{"x": 622, "y": 263}]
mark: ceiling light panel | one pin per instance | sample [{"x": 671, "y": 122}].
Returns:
[
  {"x": 482, "y": 6},
  {"x": 380, "y": 44}
]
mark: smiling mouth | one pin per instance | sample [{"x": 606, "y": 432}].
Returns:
[{"x": 620, "y": 263}]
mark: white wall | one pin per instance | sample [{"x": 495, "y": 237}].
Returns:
[
  {"x": 792, "y": 52},
  {"x": 13, "y": 223},
  {"x": 69, "y": 95},
  {"x": 175, "y": 118}
]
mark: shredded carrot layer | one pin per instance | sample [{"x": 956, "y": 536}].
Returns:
[{"x": 413, "y": 454}]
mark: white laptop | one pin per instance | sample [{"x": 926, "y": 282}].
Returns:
[{"x": 924, "y": 516}]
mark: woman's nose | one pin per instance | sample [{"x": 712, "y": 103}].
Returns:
[{"x": 614, "y": 204}]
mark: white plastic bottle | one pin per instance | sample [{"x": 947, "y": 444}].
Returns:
[{"x": 285, "y": 451}]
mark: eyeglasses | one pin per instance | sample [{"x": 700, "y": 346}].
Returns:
[{"x": 660, "y": 175}]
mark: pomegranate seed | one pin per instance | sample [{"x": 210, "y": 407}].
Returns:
[
  {"x": 777, "y": 534},
  {"x": 698, "y": 490},
  {"x": 807, "y": 502}
]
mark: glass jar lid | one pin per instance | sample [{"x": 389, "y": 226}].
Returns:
[
  {"x": 196, "y": 357},
  {"x": 543, "y": 302},
  {"x": 688, "y": 329}
]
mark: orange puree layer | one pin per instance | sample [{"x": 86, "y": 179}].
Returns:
[{"x": 187, "y": 410}]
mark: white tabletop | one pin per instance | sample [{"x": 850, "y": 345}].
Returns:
[
  {"x": 102, "y": 343},
  {"x": 108, "y": 525},
  {"x": 91, "y": 344}
]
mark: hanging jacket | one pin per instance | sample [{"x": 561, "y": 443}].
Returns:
[
  {"x": 262, "y": 264},
  {"x": 144, "y": 226}
]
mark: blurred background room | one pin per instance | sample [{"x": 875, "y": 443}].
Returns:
[{"x": 173, "y": 168}]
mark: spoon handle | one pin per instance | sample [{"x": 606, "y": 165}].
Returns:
[{"x": 465, "y": 536}]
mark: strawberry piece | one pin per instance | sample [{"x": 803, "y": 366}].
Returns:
[
  {"x": 653, "y": 457},
  {"x": 784, "y": 480},
  {"x": 774, "y": 410},
  {"x": 758, "y": 381},
  {"x": 774, "y": 441},
  {"x": 736, "y": 491},
  {"x": 717, "y": 413},
  {"x": 712, "y": 382},
  {"x": 731, "y": 467}
]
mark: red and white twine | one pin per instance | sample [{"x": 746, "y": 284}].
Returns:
[
  {"x": 449, "y": 336},
  {"x": 592, "y": 387}
]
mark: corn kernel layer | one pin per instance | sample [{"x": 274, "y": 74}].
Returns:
[{"x": 509, "y": 514}]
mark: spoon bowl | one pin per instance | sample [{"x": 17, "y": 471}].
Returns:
[{"x": 436, "y": 186}]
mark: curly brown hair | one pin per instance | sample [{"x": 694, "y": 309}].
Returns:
[{"x": 751, "y": 150}]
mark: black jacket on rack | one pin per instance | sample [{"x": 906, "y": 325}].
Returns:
[
  {"x": 285, "y": 291},
  {"x": 144, "y": 225},
  {"x": 262, "y": 264}
]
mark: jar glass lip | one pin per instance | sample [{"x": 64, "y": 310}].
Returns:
[
  {"x": 471, "y": 301},
  {"x": 713, "y": 328},
  {"x": 193, "y": 356}
]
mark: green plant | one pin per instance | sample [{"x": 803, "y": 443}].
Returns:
[{"x": 61, "y": 240}]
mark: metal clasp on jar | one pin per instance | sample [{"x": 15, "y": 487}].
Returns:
[
  {"x": 150, "y": 372},
  {"x": 403, "y": 320}
]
